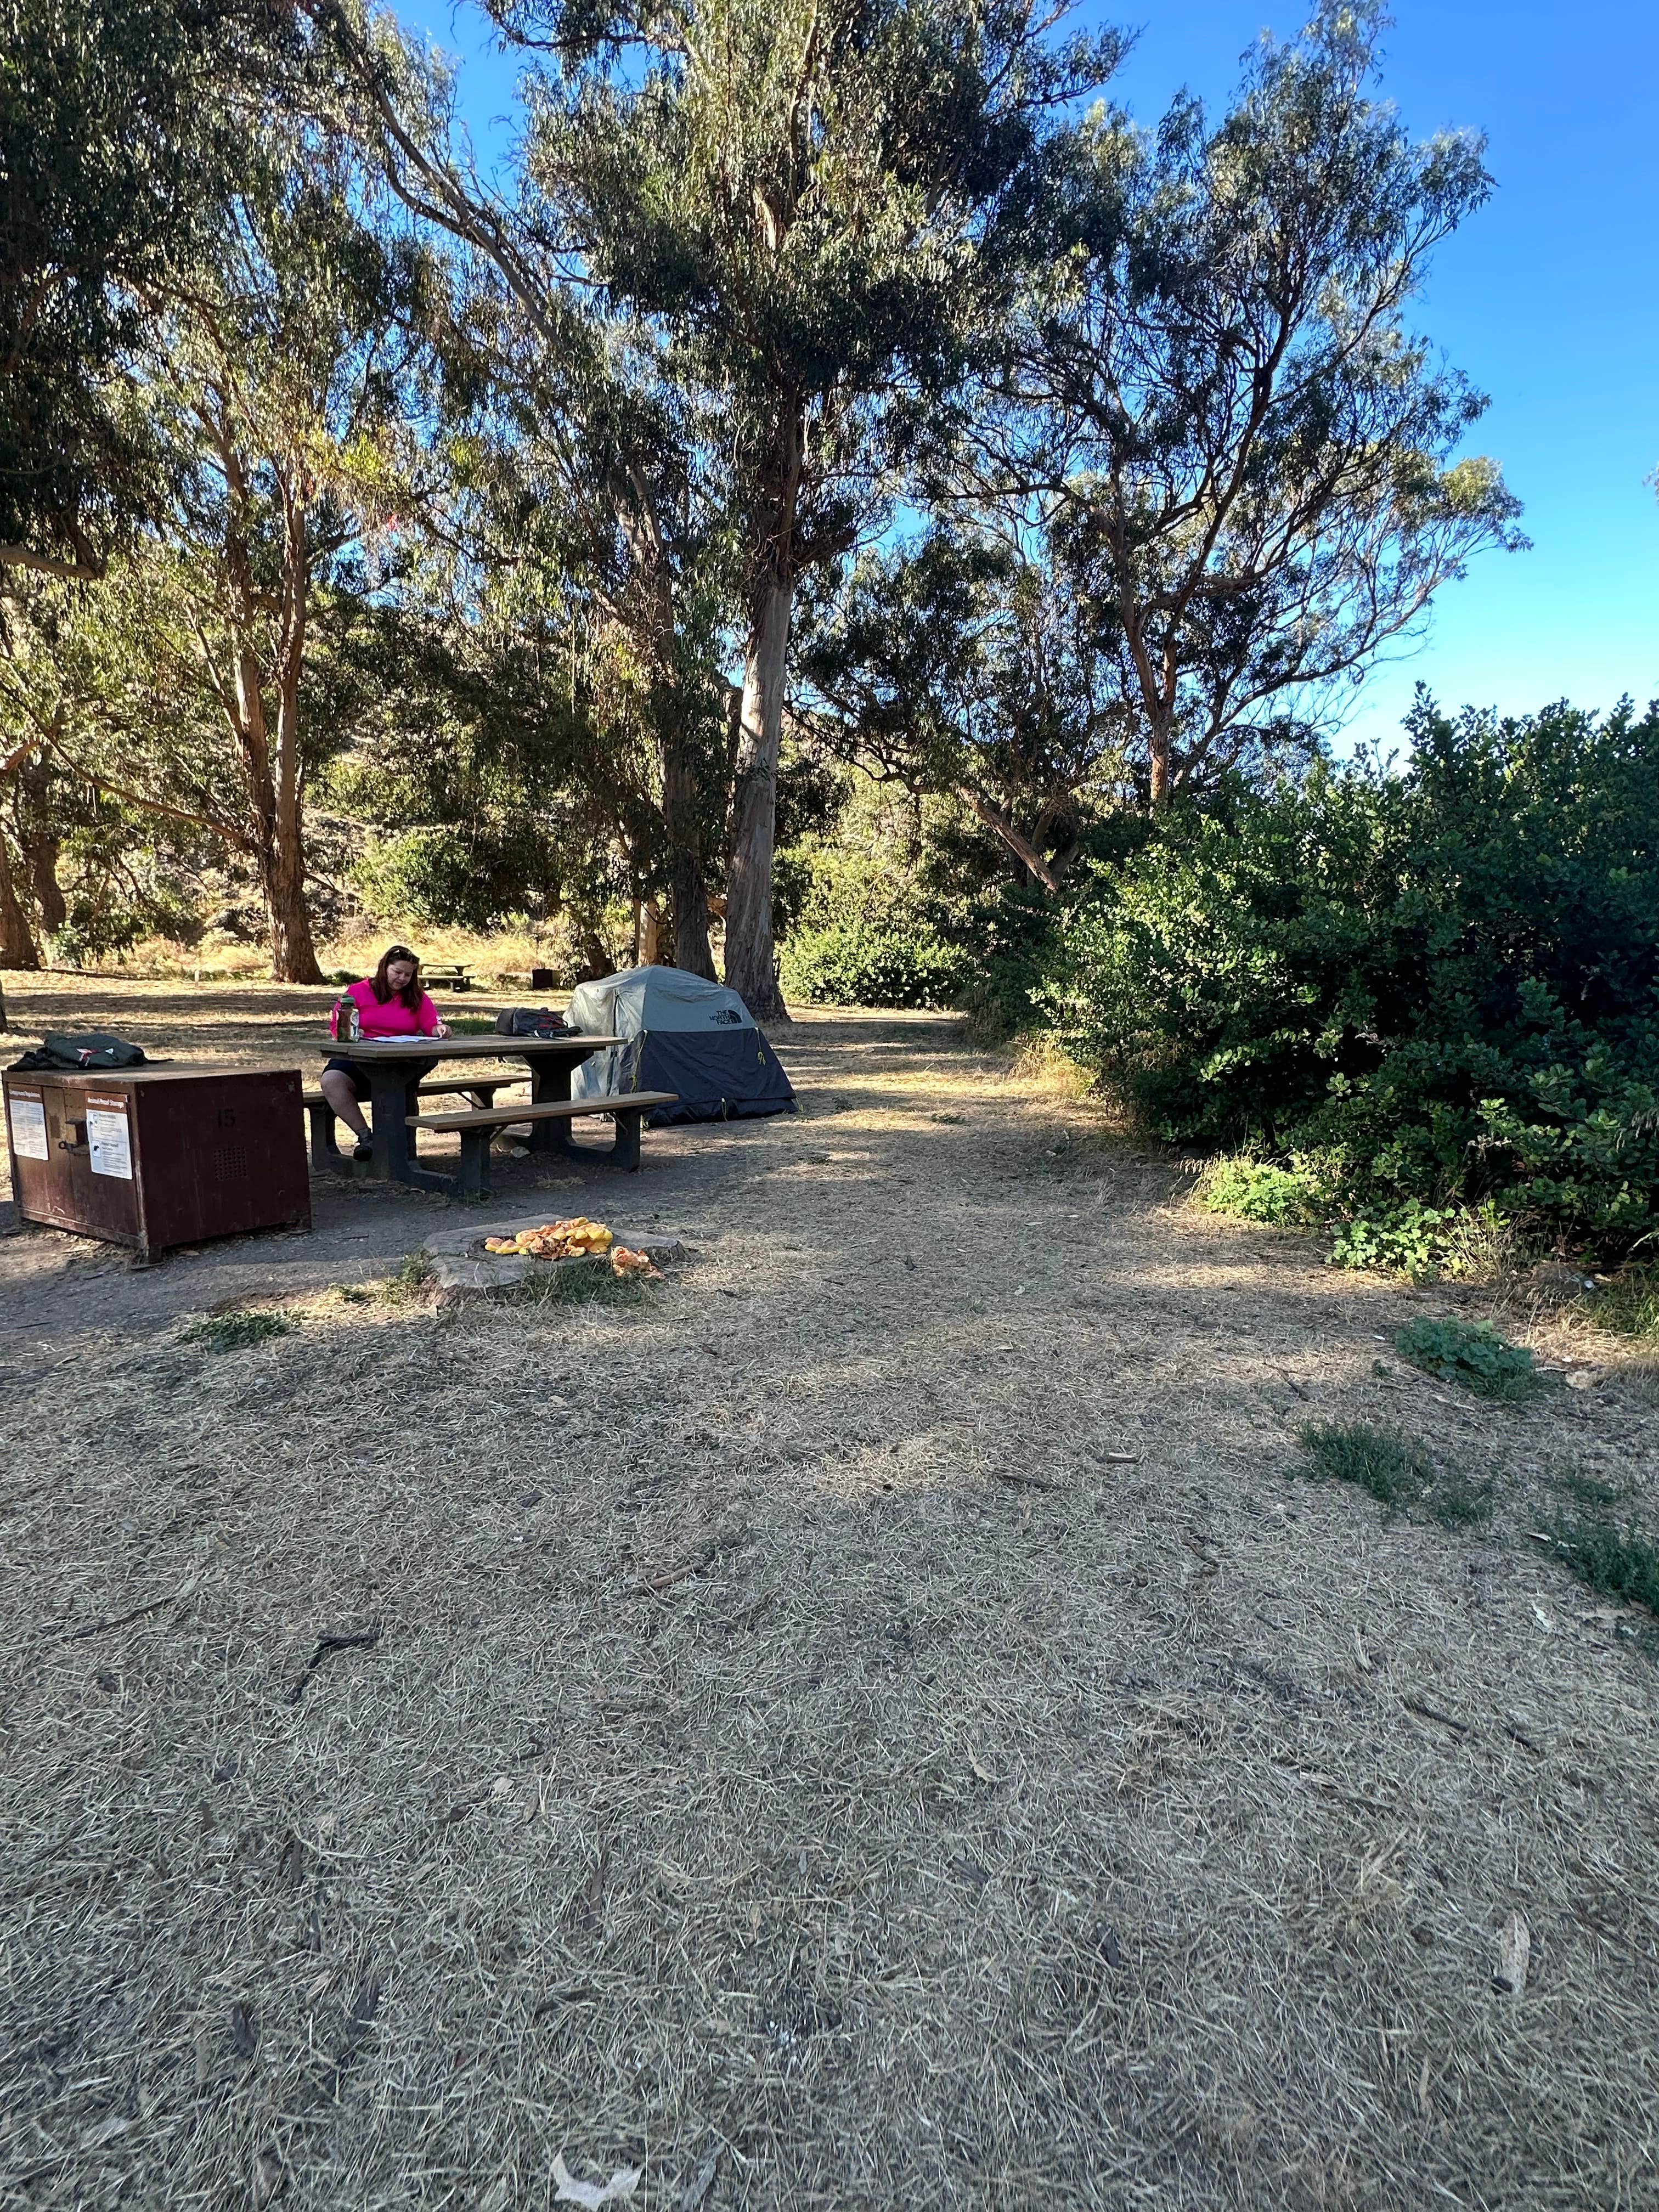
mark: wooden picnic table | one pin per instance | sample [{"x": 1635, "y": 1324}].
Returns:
[
  {"x": 449, "y": 975},
  {"x": 392, "y": 1066}
]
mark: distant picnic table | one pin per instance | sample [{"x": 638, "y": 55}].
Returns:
[{"x": 454, "y": 976}]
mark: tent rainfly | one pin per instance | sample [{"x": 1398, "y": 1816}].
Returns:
[{"x": 678, "y": 1033}]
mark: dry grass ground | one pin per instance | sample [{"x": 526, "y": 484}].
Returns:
[{"x": 1035, "y": 1793}]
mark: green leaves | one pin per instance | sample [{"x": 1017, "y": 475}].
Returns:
[
  {"x": 1473, "y": 1354},
  {"x": 1441, "y": 983}
]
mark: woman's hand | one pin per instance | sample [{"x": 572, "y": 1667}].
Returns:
[{"x": 442, "y": 1029}]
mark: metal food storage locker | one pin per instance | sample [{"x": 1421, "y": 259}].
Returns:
[{"x": 155, "y": 1158}]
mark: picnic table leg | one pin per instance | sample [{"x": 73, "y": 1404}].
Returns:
[
  {"x": 324, "y": 1152},
  {"x": 394, "y": 1095},
  {"x": 550, "y": 1084},
  {"x": 475, "y": 1164},
  {"x": 625, "y": 1152},
  {"x": 388, "y": 1103}
]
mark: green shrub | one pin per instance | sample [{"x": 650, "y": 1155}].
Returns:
[
  {"x": 1422, "y": 1241},
  {"x": 1255, "y": 1190},
  {"x": 1473, "y": 1354},
  {"x": 1413, "y": 1237},
  {"x": 863, "y": 964},
  {"x": 1443, "y": 983}
]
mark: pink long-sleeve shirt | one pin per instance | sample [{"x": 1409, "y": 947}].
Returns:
[{"x": 394, "y": 1018}]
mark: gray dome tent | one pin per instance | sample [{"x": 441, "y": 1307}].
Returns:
[{"x": 678, "y": 1033}]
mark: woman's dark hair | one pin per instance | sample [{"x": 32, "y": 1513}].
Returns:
[{"x": 410, "y": 993}]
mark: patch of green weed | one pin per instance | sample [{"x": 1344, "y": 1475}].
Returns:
[
  {"x": 1629, "y": 1305},
  {"x": 580, "y": 1283},
  {"x": 1456, "y": 1500},
  {"x": 1381, "y": 1461},
  {"x": 407, "y": 1283},
  {"x": 1473, "y": 1354},
  {"x": 236, "y": 1330},
  {"x": 1395, "y": 1471},
  {"x": 1584, "y": 1489},
  {"x": 1616, "y": 1563}
]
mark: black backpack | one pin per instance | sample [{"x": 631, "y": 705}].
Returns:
[
  {"x": 526, "y": 1021},
  {"x": 88, "y": 1053}
]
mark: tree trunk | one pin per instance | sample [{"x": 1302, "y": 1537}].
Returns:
[
  {"x": 682, "y": 813},
  {"x": 688, "y": 885},
  {"x": 293, "y": 956},
  {"x": 41, "y": 849},
  {"x": 596, "y": 963},
  {"x": 750, "y": 965},
  {"x": 42, "y": 857},
  {"x": 17, "y": 946},
  {"x": 1160, "y": 746}
]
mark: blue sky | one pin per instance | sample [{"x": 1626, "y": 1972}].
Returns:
[{"x": 1548, "y": 299}]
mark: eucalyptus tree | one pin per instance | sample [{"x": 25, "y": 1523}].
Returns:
[
  {"x": 965, "y": 665},
  {"x": 1214, "y": 405},
  {"x": 753, "y": 242},
  {"x": 277, "y": 386},
  {"x": 811, "y": 200},
  {"x": 552, "y": 389},
  {"x": 123, "y": 124},
  {"x": 502, "y": 750}
]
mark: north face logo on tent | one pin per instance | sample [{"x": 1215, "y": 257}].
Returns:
[{"x": 728, "y": 1014}]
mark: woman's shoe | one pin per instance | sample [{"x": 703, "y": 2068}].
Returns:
[{"x": 364, "y": 1150}]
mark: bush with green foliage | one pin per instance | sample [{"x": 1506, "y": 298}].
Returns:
[
  {"x": 1471, "y": 1353},
  {"x": 1292, "y": 1196},
  {"x": 870, "y": 928},
  {"x": 860, "y": 963},
  {"x": 1443, "y": 983}
]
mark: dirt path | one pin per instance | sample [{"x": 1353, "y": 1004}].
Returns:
[{"x": 879, "y": 1724}]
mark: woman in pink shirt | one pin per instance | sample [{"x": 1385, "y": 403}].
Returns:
[{"x": 390, "y": 1003}]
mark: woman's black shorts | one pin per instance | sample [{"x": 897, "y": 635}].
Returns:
[{"x": 417, "y": 1070}]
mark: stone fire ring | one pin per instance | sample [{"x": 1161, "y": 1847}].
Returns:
[{"x": 460, "y": 1263}]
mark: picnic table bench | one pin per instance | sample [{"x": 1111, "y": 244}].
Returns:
[
  {"x": 326, "y": 1151},
  {"x": 452, "y": 976},
  {"x": 476, "y": 1128}
]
